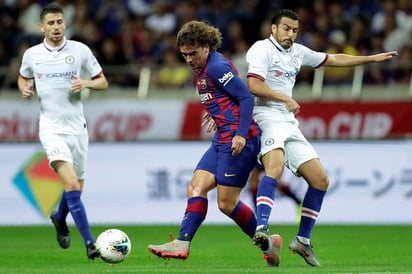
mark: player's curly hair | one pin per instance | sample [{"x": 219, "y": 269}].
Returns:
[
  {"x": 284, "y": 13},
  {"x": 198, "y": 33}
]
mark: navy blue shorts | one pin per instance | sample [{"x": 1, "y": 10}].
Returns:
[{"x": 230, "y": 170}]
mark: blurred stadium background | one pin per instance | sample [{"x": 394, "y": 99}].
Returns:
[{"x": 145, "y": 130}]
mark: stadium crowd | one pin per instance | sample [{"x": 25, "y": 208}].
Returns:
[{"x": 133, "y": 33}]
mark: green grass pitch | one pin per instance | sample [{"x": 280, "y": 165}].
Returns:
[{"x": 215, "y": 249}]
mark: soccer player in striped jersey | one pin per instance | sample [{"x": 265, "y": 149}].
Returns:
[
  {"x": 57, "y": 66},
  {"x": 273, "y": 65},
  {"x": 235, "y": 146}
]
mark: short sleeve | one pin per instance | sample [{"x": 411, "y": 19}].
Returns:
[
  {"x": 312, "y": 58},
  {"x": 258, "y": 60},
  {"x": 25, "y": 69}
]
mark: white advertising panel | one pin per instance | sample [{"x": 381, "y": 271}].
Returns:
[{"x": 145, "y": 183}]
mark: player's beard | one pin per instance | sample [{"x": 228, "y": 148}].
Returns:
[{"x": 286, "y": 43}]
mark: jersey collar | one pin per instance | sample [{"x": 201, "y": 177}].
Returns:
[
  {"x": 56, "y": 49},
  {"x": 277, "y": 45}
]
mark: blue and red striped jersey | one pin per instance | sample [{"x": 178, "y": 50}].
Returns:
[{"x": 226, "y": 98}]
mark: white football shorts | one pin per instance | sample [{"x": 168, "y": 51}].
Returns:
[
  {"x": 287, "y": 136},
  {"x": 68, "y": 148}
]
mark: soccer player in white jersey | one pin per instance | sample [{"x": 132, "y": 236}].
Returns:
[
  {"x": 57, "y": 66},
  {"x": 273, "y": 65}
]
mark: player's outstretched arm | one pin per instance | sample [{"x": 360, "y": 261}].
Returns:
[{"x": 345, "y": 60}]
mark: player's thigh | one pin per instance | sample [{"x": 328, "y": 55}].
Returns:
[{"x": 67, "y": 174}]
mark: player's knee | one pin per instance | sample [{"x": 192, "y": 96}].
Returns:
[
  {"x": 196, "y": 191},
  {"x": 225, "y": 206},
  {"x": 72, "y": 184},
  {"x": 321, "y": 183},
  {"x": 274, "y": 172},
  {"x": 325, "y": 183},
  {"x": 200, "y": 187}
]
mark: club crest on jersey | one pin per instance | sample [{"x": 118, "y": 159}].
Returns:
[
  {"x": 54, "y": 151},
  {"x": 69, "y": 59},
  {"x": 226, "y": 78},
  {"x": 203, "y": 84},
  {"x": 269, "y": 141},
  {"x": 294, "y": 61}
]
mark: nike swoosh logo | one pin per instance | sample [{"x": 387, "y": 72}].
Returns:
[
  {"x": 229, "y": 174},
  {"x": 306, "y": 254}
]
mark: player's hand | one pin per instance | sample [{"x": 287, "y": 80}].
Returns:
[
  {"x": 77, "y": 84},
  {"x": 28, "y": 91},
  {"x": 238, "y": 143},
  {"x": 292, "y": 106},
  {"x": 208, "y": 122},
  {"x": 384, "y": 56}
]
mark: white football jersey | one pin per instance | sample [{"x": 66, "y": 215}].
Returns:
[
  {"x": 278, "y": 68},
  {"x": 52, "y": 69}
]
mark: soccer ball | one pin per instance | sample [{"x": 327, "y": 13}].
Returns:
[{"x": 113, "y": 246}]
